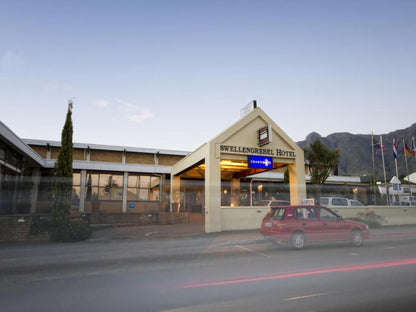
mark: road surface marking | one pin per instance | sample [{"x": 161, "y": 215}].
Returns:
[
  {"x": 253, "y": 251},
  {"x": 150, "y": 233},
  {"x": 306, "y": 296}
]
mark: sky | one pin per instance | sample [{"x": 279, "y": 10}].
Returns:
[{"x": 174, "y": 74}]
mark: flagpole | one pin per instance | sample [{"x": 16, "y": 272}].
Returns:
[
  {"x": 406, "y": 153},
  {"x": 384, "y": 170},
  {"x": 413, "y": 147},
  {"x": 395, "y": 157},
  {"x": 374, "y": 168},
  {"x": 405, "y": 158}
]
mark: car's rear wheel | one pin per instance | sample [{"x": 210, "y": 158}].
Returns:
[
  {"x": 297, "y": 240},
  {"x": 357, "y": 237}
]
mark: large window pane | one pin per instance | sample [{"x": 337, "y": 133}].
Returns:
[{"x": 143, "y": 187}]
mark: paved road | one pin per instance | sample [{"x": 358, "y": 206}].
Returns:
[{"x": 122, "y": 270}]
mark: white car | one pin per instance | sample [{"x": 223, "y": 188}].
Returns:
[{"x": 339, "y": 201}]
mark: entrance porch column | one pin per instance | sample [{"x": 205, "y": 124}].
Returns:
[
  {"x": 175, "y": 193},
  {"x": 297, "y": 183},
  {"x": 212, "y": 190}
]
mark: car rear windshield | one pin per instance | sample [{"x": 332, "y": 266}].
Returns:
[{"x": 276, "y": 213}]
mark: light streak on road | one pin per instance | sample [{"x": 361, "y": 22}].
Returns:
[
  {"x": 306, "y": 296},
  {"x": 361, "y": 267}
]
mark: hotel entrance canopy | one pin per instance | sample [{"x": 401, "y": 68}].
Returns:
[{"x": 252, "y": 145}]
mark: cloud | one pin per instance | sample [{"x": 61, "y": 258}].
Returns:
[
  {"x": 11, "y": 60},
  {"x": 102, "y": 103},
  {"x": 133, "y": 112}
]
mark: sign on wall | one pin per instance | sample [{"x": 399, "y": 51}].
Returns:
[
  {"x": 265, "y": 135},
  {"x": 260, "y": 162}
]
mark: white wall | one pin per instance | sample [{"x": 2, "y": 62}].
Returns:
[
  {"x": 245, "y": 218},
  {"x": 242, "y": 218}
]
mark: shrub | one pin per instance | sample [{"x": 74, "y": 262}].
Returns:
[
  {"x": 39, "y": 225},
  {"x": 71, "y": 231}
]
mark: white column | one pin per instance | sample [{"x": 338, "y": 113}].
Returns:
[
  {"x": 175, "y": 191},
  {"x": 213, "y": 190},
  {"x": 297, "y": 183},
  {"x": 125, "y": 184}
]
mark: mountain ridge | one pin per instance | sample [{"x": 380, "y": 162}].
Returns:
[{"x": 356, "y": 152}]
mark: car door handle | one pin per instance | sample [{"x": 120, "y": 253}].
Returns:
[
  {"x": 324, "y": 224},
  {"x": 304, "y": 223}
]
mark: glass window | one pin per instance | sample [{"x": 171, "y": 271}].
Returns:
[
  {"x": 143, "y": 187},
  {"x": 2, "y": 151},
  {"x": 105, "y": 186},
  {"x": 325, "y": 214},
  {"x": 76, "y": 190}
]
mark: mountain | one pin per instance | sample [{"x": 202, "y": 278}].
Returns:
[{"x": 356, "y": 153}]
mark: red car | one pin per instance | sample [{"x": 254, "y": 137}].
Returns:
[{"x": 297, "y": 225}]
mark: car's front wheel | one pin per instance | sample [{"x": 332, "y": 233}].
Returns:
[
  {"x": 297, "y": 240},
  {"x": 357, "y": 237}
]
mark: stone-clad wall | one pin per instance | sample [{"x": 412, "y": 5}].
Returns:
[{"x": 15, "y": 227}]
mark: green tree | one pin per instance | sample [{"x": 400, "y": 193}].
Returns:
[
  {"x": 63, "y": 174},
  {"x": 320, "y": 161}
]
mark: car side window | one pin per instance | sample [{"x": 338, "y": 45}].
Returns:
[
  {"x": 278, "y": 213},
  {"x": 310, "y": 214},
  {"x": 298, "y": 213},
  {"x": 325, "y": 214},
  {"x": 340, "y": 202},
  {"x": 304, "y": 213}
]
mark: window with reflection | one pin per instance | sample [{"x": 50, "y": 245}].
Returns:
[
  {"x": 143, "y": 187},
  {"x": 104, "y": 186},
  {"x": 76, "y": 188}
]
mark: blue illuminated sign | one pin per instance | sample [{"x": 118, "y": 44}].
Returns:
[{"x": 261, "y": 162}]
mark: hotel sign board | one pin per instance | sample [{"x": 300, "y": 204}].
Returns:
[
  {"x": 248, "y": 108},
  {"x": 261, "y": 162},
  {"x": 245, "y": 150}
]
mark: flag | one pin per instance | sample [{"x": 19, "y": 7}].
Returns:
[
  {"x": 407, "y": 151},
  {"x": 394, "y": 149},
  {"x": 376, "y": 145},
  {"x": 413, "y": 147}
]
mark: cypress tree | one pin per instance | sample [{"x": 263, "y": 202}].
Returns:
[{"x": 63, "y": 174}]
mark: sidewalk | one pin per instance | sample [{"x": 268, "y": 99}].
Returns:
[{"x": 193, "y": 230}]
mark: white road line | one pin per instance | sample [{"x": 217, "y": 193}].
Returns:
[
  {"x": 252, "y": 251},
  {"x": 306, "y": 296},
  {"x": 150, "y": 233}
]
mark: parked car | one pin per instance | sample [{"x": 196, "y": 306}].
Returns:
[
  {"x": 297, "y": 225},
  {"x": 339, "y": 201}
]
